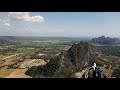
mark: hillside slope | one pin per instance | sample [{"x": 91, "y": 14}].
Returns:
[{"x": 75, "y": 59}]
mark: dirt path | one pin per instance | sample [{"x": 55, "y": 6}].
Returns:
[
  {"x": 80, "y": 74},
  {"x": 8, "y": 60},
  {"x": 10, "y": 56}
]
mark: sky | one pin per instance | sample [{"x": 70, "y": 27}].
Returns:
[{"x": 60, "y": 24}]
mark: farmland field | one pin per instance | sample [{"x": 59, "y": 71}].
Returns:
[{"x": 11, "y": 57}]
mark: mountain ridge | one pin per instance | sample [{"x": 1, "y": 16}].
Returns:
[
  {"x": 68, "y": 62},
  {"x": 105, "y": 40}
]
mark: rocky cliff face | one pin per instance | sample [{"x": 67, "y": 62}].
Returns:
[
  {"x": 76, "y": 58},
  {"x": 80, "y": 54}
]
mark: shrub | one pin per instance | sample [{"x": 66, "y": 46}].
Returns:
[{"x": 116, "y": 72}]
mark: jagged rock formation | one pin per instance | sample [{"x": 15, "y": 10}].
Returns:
[
  {"x": 68, "y": 62},
  {"x": 80, "y": 54}
]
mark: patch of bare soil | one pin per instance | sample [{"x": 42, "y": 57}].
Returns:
[
  {"x": 41, "y": 54},
  {"x": 20, "y": 72},
  {"x": 108, "y": 72},
  {"x": 32, "y": 62}
]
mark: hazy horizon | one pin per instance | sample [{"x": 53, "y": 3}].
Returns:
[
  {"x": 60, "y": 36},
  {"x": 60, "y": 24}
]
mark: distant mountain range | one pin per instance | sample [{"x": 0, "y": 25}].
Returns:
[
  {"x": 100, "y": 40},
  {"x": 105, "y": 40}
]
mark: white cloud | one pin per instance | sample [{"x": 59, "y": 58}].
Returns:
[
  {"x": 6, "y": 24},
  {"x": 25, "y": 17}
]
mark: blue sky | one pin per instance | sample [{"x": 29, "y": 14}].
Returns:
[{"x": 67, "y": 24}]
